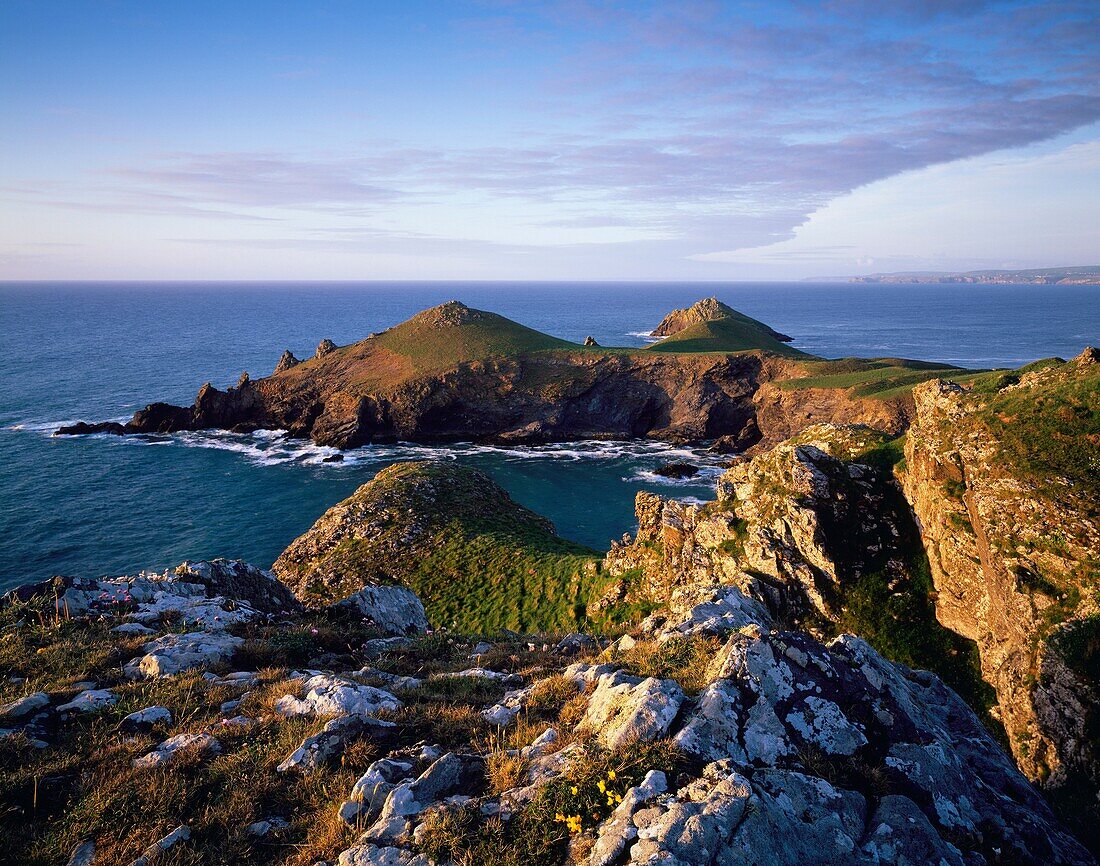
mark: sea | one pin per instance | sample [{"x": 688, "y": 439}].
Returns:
[{"x": 104, "y": 505}]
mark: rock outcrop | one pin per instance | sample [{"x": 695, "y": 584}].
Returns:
[
  {"x": 1003, "y": 479},
  {"x": 706, "y": 310},
  {"x": 770, "y": 747}
]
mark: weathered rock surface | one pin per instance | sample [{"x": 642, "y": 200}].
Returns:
[
  {"x": 788, "y": 527},
  {"x": 173, "y": 653},
  {"x": 625, "y": 709},
  {"x": 327, "y": 695},
  {"x": 1014, "y": 547}
]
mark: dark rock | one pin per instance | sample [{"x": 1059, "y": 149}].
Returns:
[
  {"x": 83, "y": 428},
  {"x": 333, "y": 458},
  {"x": 590, "y": 341},
  {"x": 677, "y": 470}
]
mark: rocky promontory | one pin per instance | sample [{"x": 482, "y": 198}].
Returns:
[{"x": 452, "y": 373}]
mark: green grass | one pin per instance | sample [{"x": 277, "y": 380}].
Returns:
[
  {"x": 1051, "y": 431},
  {"x": 882, "y": 378},
  {"x": 479, "y": 561},
  {"x": 726, "y": 335},
  {"x": 483, "y": 335}
]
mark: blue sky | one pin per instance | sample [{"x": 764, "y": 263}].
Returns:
[{"x": 556, "y": 140}]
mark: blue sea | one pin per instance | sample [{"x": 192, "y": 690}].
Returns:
[{"x": 106, "y": 505}]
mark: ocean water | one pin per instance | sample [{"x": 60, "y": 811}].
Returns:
[{"x": 105, "y": 505}]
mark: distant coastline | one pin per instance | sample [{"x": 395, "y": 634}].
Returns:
[{"x": 1087, "y": 275}]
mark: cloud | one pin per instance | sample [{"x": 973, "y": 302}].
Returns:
[{"x": 691, "y": 127}]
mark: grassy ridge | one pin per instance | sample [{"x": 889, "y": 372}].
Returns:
[
  {"x": 479, "y": 561},
  {"x": 882, "y": 378}
]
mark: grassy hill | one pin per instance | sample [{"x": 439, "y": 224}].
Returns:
[
  {"x": 479, "y": 561},
  {"x": 736, "y": 333}
]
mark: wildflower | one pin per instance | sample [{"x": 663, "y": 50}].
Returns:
[
  {"x": 313, "y": 631},
  {"x": 573, "y": 790},
  {"x": 602, "y": 786},
  {"x": 611, "y": 775}
]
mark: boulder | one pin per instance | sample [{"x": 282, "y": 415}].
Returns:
[
  {"x": 174, "y": 653},
  {"x": 328, "y": 695},
  {"x": 625, "y": 709},
  {"x": 394, "y": 609}
]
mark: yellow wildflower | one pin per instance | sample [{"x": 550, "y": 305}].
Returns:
[
  {"x": 611, "y": 775},
  {"x": 603, "y": 788}
]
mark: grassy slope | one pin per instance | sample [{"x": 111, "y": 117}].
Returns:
[
  {"x": 872, "y": 377},
  {"x": 1049, "y": 431},
  {"x": 480, "y": 561},
  {"x": 732, "y": 334}
]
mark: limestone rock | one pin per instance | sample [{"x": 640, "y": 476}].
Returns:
[
  {"x": 144, "y": 720},
  {"x": 167, "y": 751},
  {"x": 328, "y": 695},
  {"x": 625, "y": 709},
  {"x": 325, "y": 347},
  {"x": 90, "y": 701},
  {"x": 173, "y": 653}
]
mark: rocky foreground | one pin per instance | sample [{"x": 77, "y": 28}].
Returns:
[{"x": 224, "y": 728}]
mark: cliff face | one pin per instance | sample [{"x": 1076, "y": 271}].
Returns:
[
  {"x": 1003, "y": 479},
  {"x": 796, "y": 522}
]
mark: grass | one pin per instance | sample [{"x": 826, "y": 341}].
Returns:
[
  {"x": 731, "y": 334},
  {"x": 479, "y": 561},
  {"x": 882, "y": 378},
  {"x": 1050, "y": 431}
]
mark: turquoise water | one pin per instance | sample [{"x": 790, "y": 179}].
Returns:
[{"x": 103, "y": 505}]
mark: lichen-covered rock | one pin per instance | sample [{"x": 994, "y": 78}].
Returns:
[
  {"x": 327, "y": 695},
  {"x": 788, "y": 527},
  {"x": 394, "y": 609},
  {"x": 625, "y": 709},
  {"x": 173, "y": 653}
]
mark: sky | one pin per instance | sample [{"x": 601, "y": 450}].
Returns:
[{"x": 566, "y": 140}]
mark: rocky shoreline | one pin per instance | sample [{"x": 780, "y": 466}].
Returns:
[{"x": 455, "y": 374}]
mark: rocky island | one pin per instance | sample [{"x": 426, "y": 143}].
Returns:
[
  {"x": 878, "y": 643},
  {"x": 453, "y": 373}
]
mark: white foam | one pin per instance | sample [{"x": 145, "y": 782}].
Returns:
[{"x": 645, "y": 335}]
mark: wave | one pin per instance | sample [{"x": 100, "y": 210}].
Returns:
[
  {"x": 645, "y": 335},
  {"x": 276, "y": 447}
]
